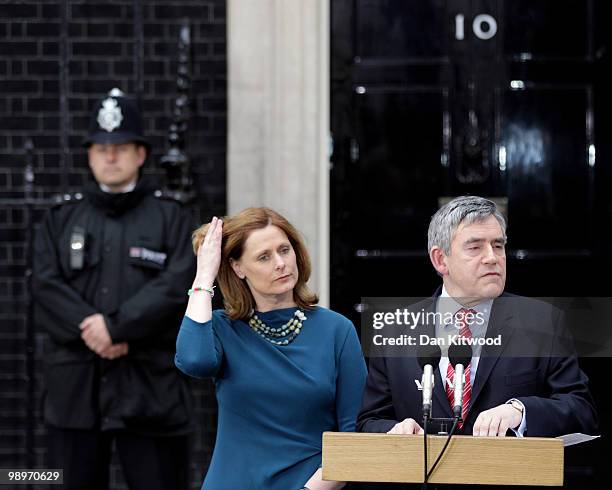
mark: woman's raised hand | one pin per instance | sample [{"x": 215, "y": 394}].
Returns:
[{"x": 209, "y": 254}]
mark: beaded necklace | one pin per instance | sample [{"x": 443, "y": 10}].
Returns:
[{"x": 289, "y": 330}]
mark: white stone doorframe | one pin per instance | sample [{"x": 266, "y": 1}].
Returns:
[{"x": 278, "y": 117}]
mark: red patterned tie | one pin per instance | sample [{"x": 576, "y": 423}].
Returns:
[{"x": 464, "y": 331}]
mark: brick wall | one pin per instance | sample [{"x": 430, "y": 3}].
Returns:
[{"x": 100, "y": 45}]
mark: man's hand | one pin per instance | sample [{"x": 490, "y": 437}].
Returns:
[
  {"x": 407, "y": 426},
  {"x": 115, "y": 351},
  {"x": 497, "y": 420},
  {"x": 95, "y": 333}
]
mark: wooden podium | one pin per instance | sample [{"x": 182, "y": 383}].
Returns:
[{"x": 361, "y": 457}]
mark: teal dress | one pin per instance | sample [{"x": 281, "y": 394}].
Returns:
[{"x": 274, "y": 401}]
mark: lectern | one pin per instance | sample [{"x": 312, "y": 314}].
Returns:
[{"x": 468, "y": 460}]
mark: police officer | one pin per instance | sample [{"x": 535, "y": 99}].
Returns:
[{"x": 111, "y": 271}]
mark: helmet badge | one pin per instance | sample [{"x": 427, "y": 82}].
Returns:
[{"x": 110, "y": 116}]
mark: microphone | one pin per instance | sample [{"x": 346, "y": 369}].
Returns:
[
  {"x": 459, "y": 356},
  {"x": 428, "y": 357}
]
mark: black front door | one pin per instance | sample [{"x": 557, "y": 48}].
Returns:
[{"x": 503, "y": 99}]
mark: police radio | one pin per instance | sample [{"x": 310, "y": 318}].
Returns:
[{"x": 77, "y": 248}]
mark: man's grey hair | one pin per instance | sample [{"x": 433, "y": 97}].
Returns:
[{"x": 464, "y": 209}]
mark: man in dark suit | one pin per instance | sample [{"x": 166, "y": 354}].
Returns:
[{"x": 528, "y": 385}]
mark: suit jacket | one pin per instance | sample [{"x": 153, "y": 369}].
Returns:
[{"x": 536, "y": 364}]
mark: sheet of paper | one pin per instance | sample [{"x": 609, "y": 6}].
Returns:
[{"x": 576, "y": 438}]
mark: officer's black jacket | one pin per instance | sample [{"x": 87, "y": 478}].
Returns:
[{"x": 138, "y": 265}]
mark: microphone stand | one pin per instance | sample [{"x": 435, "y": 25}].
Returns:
[
  {"x": 459, "y": 373},
  {"x": 456, "y": 421},
  {"x": 425, "y": 475},
  {"x": 428, "y": 358},
  {"x": 426, "y": 419},
  {"x": 428, "y": 381}
]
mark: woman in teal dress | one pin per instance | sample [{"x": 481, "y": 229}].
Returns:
[{"x": 285, "y": 370}]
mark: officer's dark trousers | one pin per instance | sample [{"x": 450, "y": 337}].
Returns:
[{"x": 149, "y": 463}]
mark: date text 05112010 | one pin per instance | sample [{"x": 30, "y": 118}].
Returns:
[{"x": 29, "y": 476}]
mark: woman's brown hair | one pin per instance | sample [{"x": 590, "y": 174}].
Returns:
[{"x": 238, "y": 300}]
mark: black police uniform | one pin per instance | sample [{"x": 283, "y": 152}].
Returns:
[{"x": 127, "y": 256}]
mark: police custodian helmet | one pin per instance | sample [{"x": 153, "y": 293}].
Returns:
[{"x": 116, "y": 119}]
